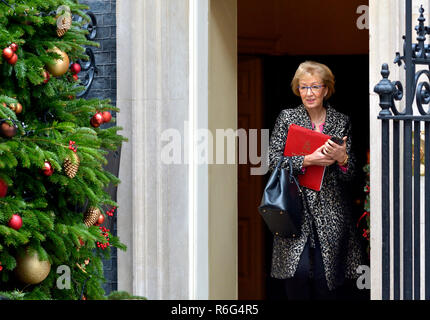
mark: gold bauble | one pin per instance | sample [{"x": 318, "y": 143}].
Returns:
[
  {"x": 71, "y": 168},
  {"x": 29, "y": 269},
  {"x": 91, "y": 216},
  {"x": 60, "y": 67},
  {"x": 16, "y": 107}
]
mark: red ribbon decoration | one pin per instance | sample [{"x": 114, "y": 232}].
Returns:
[{"x": 362, "y": 216}]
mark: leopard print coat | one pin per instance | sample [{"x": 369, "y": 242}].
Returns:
[{"x": 328, "y": 210}]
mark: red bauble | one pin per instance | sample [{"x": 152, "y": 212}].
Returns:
[
  {"x": 15, "y": 222},
  {"x": 13, "y": 60},
  {"x": 8, "y": 131},
  {"x": 3, "y": 188},
  {"x": 7, "y": 53},
  {"x": 14, "y": 47},
  {"x": 95, "y": 125},
  {"x": 101, "y": 219},
  {"x": 48, "y": 170},
  {"x": 106, "y": 116},
  {"x": 75, "y": 77},
  {"x": 75, "y": 68},
  {"x": 97, "y": 120},
  {"x": 46, "y": 76}
]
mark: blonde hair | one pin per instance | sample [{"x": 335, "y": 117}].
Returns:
[{"x": 312, "y": 67}]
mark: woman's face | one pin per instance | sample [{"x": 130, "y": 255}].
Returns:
[{"x": 312, "y": 98}]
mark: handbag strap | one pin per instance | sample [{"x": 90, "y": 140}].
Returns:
[
  {"x": 292, "y": 177},
  {"x": 281, "y": 159},
  {"x": 290, "y": 170}
]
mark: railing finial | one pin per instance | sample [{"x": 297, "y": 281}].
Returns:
[{"x": 385, "y": 89}]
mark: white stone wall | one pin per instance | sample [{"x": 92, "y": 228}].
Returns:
[
  {"x": 178, "y": 220},
  {"x": 153, "y": 89}
]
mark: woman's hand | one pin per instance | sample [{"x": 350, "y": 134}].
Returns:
[
  {"x": 335, "y": 151},
  {"x": 317, "y": 158}
]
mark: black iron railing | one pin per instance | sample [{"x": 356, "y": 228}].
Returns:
[
  {"x": 389, "y": 92},
  {"x": 88, "y": 68}
]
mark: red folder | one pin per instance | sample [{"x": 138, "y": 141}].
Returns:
[{"x": 300, "y": 142}]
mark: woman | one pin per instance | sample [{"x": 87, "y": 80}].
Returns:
[{"x": 327, "y": 251}]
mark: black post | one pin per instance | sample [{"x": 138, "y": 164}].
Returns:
[
  {"x": 407, "y": 211},
  {"x": 427, "y": 209},
  {"x": 396, "y": 209},
  {"x": 408, "y": 58},
  {"x": 417, "y": 208},
  {"x": 407, "y": 161},
  {"x": 385, "y": 89},
  {"x": 385, "y": 209}
]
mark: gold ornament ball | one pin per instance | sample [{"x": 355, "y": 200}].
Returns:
[
  {"x": 30, "y": 270},
  {"x": 60, "y": 67},
  {"x": 18, "y": 108}
]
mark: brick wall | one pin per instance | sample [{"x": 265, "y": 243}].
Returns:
[{"x": 103, "y": 87}]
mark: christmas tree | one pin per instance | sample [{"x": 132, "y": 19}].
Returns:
[{"x": 52, "y": 150}]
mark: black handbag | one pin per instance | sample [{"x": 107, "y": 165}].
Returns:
[{"x": 281, "y": 205}]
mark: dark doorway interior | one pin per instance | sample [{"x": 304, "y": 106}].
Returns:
[
  {"x": 351, "y": 98},
  {"x": 282, "y": 34}
]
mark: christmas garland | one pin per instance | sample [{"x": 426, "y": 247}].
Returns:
[{"x": 364, "y": 220}]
